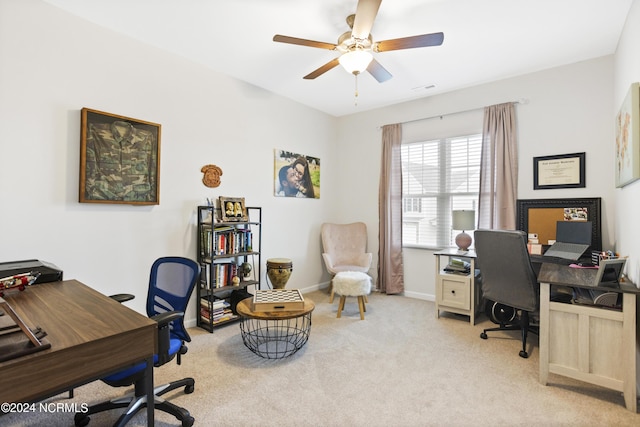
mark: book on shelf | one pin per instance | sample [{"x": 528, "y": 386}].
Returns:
[
  {"x": 216, "y": 312},
  {"x": 214, "y": 242},
  {"x": 216, "y": 315},
  {"x": 231, "y": 316},
  {"x": 217, "y": 319},
  {"x": 205, "y": 241},
  {"x": 216, "y": 304},
  {"x": 219, "y": 274},
  {"x": 458, "y": 266}
]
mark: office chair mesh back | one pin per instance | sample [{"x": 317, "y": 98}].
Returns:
[
  {"x": 507, "y": 275},
  {"x": 171, "y": 283}
]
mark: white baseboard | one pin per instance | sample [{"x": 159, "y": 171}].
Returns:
[{"x": 420, "y": 295}]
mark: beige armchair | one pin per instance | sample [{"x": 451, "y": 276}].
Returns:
[{"x": 345, "y": 248}]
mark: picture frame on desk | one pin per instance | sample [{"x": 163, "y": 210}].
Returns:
[
  {"x": 610, "y": 271},
  {"x": 559, "y": 171},
  {"x": 119, "y": 159}
]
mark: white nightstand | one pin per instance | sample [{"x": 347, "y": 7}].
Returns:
[{"x": 456, "y": 292}]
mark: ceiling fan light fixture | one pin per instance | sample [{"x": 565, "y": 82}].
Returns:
[{"x": 355, "y": 61}]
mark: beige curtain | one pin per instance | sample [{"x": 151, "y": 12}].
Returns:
[
  {"x": 390, "y": 268},
  {"x": 498, "y": 169}
]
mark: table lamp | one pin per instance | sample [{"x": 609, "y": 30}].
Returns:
[{"x": 463, "y": 220}]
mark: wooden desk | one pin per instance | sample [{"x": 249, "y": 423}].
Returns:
[
  {"x": 588, "y": 343},
  {"x": 91, "y": 336}
]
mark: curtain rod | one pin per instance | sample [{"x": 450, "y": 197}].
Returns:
[{"x": 440, "y": 116}]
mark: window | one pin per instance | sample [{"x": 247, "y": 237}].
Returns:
[{"x": 437, "y": 177}]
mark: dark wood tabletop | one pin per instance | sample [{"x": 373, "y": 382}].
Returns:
[
  {"x": 558, "y": 274},
  {"x": 91, "y": 336}
]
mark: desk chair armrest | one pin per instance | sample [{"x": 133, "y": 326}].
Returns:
[
  {"x": 122, "y": 297},
  {"x": 163, "y": 319},
  {"x": 164, "y": 335}
]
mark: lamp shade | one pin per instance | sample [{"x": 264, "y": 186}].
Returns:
[
  {"x": 463, "y": 220},
  {"x": 355, "y": 61}
]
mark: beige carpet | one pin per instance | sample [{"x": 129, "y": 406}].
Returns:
[{"x": 399, "y": 367}]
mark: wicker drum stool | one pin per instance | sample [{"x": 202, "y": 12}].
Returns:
[{"x": 352, "y": 284}]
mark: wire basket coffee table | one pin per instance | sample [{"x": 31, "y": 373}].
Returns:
[{"x": 274, "y": 335}]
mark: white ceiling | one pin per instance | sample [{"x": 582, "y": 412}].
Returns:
[{"x": 485, "y": 40}]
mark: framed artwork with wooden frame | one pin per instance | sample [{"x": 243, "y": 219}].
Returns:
[
  {"x": 233, "y": 209},
  {"x": 119, "y": 159},
  {"x": 540, "y": 216}
]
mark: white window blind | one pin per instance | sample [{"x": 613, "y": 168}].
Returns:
[{"x": 437, "y": 177}]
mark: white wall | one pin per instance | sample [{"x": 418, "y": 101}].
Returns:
[
  {"x": 52, "y": 64},
  {"x": 627, "y": 71},
  {"x": 627, "y": 229},
  {"x": 568, "y": 110}
]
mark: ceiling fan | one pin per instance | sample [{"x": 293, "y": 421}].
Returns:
[{"x": 355, "y": 46}]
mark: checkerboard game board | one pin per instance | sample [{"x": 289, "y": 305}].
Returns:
[{"x": 278, "y": 300}]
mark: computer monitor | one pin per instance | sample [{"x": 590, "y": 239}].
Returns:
[{"x": 574, "y": 232}]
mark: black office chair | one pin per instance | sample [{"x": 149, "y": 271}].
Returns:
[
  {"x": 171, "y": 284},
  {"x": 509, "y": 283}
]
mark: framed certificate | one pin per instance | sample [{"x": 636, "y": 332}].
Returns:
[{"x": 560, "y": 171}]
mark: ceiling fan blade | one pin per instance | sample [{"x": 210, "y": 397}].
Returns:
[
  {"x": 303, "y": 42},
  {"x": 320, "y": 71},
  {"x": 434, "y": 39},
  {"x": 378, "y": 71},
  {"x": 365, "y": 15}
]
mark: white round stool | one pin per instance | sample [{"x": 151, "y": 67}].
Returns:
[{"x": 352, "y": 284}]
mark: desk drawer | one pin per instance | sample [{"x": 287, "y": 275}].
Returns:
[{"x": 454, "y": 293}]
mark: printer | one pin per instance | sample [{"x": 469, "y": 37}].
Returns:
[{"x": 48, "y": 272}]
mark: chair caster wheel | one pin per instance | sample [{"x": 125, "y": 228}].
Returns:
[
  {"x": 188, "y": 421},
  {"x": 524, "y": 354},
  {"x": 81, "y": 420},
  {"x": 188, "y": 389},
  {"x": 483, "y": 336}
]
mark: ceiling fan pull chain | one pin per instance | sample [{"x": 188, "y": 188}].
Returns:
[{"x": 355, "y": 101}]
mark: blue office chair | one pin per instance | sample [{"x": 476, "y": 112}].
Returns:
[{"x": 171, "y": 284}]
